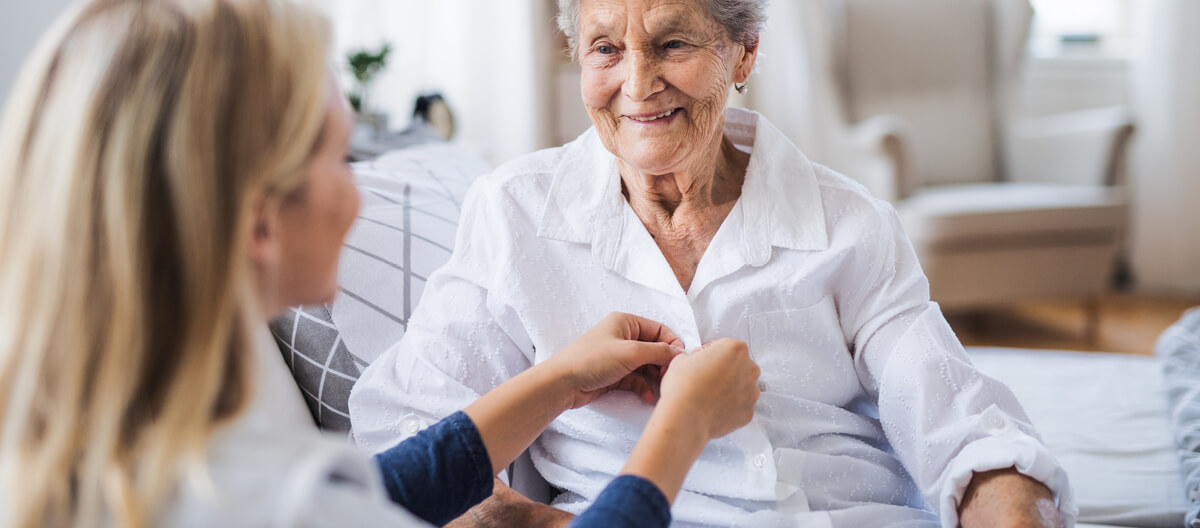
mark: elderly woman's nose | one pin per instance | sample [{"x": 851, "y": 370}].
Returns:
[{"x": 642, "y": 76}]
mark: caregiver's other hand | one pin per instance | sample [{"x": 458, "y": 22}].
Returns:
[
  {"x": 714, "y": 388},
  {"x": 614, "y": 354},
  {"x": 706, "y": 394},
  {"x": 621, "y": 352}
]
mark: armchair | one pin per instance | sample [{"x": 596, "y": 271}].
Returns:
[{"x": 911, "y": 99}]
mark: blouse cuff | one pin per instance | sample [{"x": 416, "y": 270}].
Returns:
[
  {"x": 1006, "y": 447},
  {"x": 441, "y": 472},
  {"x": 629, "y": 501}
]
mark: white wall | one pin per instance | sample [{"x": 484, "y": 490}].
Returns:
[
  {"x": 487, "y": 58},
  {"x": 480, "y": 55},
  {"x": 1051, "y": 85},
  {"x": 21, "y": 24}
]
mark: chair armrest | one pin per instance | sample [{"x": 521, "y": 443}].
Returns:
[
  {"x": 1083, "y": 147},
  {"x": 875, "y": 152}
]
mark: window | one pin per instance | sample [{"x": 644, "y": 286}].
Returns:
[{"x": 1081, "y": 27}]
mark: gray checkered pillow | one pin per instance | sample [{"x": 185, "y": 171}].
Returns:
[{"x": 411, "y": 201}]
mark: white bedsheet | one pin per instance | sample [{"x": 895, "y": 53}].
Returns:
[{"x": 1104, "y": 417}]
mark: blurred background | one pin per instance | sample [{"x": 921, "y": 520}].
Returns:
[{"x": 1044, "y": 154}]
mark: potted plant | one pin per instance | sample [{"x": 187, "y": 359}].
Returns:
[{"x": 365, "y": 65}]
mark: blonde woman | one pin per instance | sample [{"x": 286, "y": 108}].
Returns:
[{"x": 172, "y": 174}]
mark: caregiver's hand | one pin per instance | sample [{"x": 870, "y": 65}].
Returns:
[
  {"x": 713, "y": 389},
  {"x": 705, "y": 395},
  {"x": 622, "y": 352}
]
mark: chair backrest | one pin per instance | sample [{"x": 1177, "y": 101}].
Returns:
[{"x": 943, "y": 66}]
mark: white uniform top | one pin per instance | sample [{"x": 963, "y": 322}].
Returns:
[{"x": 272, "y": 468}]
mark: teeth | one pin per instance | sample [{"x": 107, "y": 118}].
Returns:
[{"x": 653, "y": 118}]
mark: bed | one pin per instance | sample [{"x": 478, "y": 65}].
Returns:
[{"x": 1104, "y": 416}]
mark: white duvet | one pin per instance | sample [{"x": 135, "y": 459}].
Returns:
[{"x": 1104, "y": 417}]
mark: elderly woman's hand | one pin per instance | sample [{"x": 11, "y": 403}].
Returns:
[{"x": 621, "y": 352}]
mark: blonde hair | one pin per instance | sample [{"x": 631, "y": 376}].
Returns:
[{"x": 138, "y": 140}]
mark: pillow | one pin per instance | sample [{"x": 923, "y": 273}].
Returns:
[
  {"x": 1179, "y": 349},
  {"x": 411, "y": 200}
]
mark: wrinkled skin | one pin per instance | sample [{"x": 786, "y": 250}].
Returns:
[
  {"x": 508, "y": 509},
  {"x": 656, "y": 75},
  {"x": 646, "y": 57}
]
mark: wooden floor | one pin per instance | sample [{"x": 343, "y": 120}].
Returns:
[{"x": 1128, "y": 323}]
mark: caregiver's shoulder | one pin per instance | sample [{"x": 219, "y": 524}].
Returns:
[{"x": 261, "y": 475}]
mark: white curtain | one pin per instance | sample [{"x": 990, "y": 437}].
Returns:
[
  {"x": 791, "y": 81},
  {"x": 484, "y": 57},
  {"x": 1166, "y": 170}
]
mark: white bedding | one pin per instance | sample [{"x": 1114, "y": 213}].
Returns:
[{"x": 1104, "y": 417}]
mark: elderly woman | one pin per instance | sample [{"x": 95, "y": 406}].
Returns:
[{"x": 709, "y": 220}]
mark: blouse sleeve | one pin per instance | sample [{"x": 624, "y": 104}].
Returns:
[
  {"x": 460, "y": 343},
  {"x": 627, "y": 502},
  {"x": 944, "y": 418},
  {"x": 441, "y": 472}
]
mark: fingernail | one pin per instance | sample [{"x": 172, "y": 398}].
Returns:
[{"x": 678, "y": 350}]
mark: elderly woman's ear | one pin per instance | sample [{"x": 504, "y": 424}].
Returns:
[{"x": 745, "y": 63}]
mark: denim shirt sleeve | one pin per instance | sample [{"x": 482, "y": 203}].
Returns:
[
  {"x": 628, "y": 502},
  {"x": 441, "y": 472}
]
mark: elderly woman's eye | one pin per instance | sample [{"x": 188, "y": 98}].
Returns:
[
  {"x": 606, "y": 50},
  {"x": 674, "y": 44}
]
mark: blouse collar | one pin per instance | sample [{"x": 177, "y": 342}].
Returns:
[{"x": 781, "y": 198}]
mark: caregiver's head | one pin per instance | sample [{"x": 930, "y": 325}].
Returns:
[
  {"x": 657, "y": 73},
  {"x": 158, "y": 159}
]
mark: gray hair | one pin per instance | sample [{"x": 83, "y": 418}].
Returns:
[{"x": 742, "y": 19}]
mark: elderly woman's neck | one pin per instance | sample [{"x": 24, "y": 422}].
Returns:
[{"x": 707, "y": 188}]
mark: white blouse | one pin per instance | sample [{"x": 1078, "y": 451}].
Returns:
[{"x": 872, "y": 413}]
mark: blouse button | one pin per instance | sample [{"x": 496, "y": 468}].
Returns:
[
  {"x": 411, "y": 425},
  {"x": 995, "y": 422},
  {"x": 760, "y": 461}
]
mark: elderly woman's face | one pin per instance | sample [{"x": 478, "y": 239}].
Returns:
[{"x": 656, "y": 74}]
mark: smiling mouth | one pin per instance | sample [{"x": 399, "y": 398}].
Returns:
[{"x": 655, "y": 117}]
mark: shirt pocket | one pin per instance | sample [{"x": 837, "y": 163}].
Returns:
[{"x": 803, "y": 354}]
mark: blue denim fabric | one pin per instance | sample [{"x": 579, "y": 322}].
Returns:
[
  {"x": 627, "y": 502},
  {"x": 444, "y": 470},
  {"x": 441, "y": 472}
]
